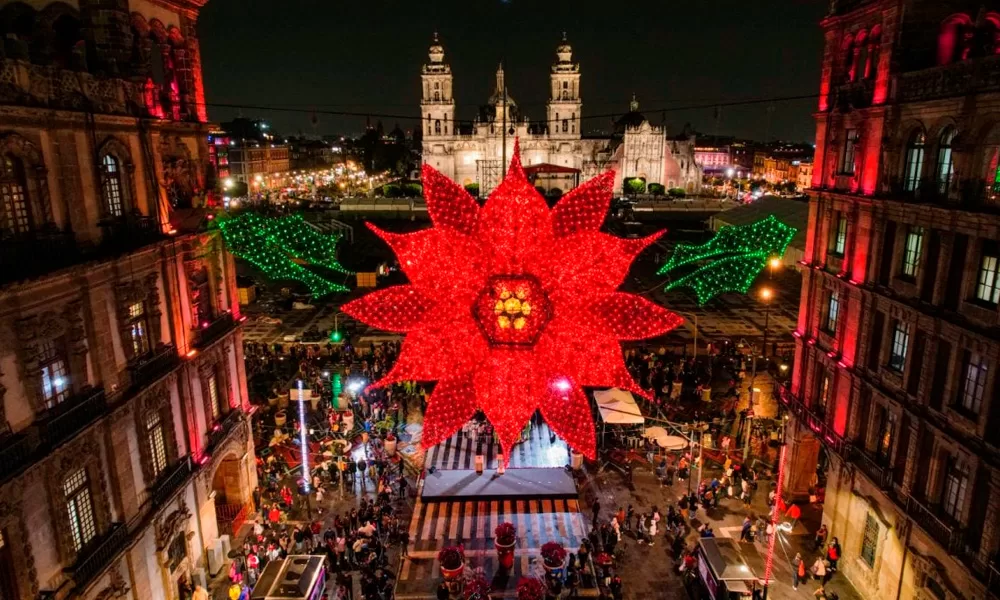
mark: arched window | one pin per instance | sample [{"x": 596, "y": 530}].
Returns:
[
  {"x": 913, "y": 165},
  {"x": 874, "y": 49},
  {"x": 446, "y": 124},
  {"x": 847, "y": 49},
  {"x": 945, "y": 163},
  {"x": 861, "y": 57},
  {"x": 437, "y": 96},
  {"x": 111, "y": 186},
  {"x": 437, "y": 126},
  {"x": 955, "y": 39},
  {"x": 17, "y": 217},
  {"x": 989, "y": 34}
]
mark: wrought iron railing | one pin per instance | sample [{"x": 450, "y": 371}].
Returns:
[
  {"x": 221, "y": 430},
  {"x": 879, "y": 474},
  {"x": 211, "y": 332},
  {"x": 157, "y": 364},
  {"x": 928, "y": 519},
  {"x": 958, "y": 79},
  {"x": 811, "y": 419},
  {"x": 128, "y": 232},
  {"x": 93, "y": 558},
  {"x": 66, "y": 419},
  {"x": 170, "y": 481},
  {"x": 16, "y": 452},
  {"x": 41, "y": 252}
]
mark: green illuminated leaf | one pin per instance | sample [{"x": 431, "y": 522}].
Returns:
[{"x": 737, "y": 254}]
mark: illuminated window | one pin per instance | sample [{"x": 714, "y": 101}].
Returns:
[
  {"x": 839, "y": 242},
  {"x": 945, "y": 162},
  {"x": 869, "y": 542},
  {"x": 847, "y": 159},
  {"x": 157, "y": 444},
  {"x": 16, "y": 212},
  {"x": 911, "y": 253},
  {"x": 987, "y": 283},
  {"x": 111, "y": 184},
  {"x": 213, "y": 397},
  {"x": 974, "y": 370},
  {"x": 823, "y": 393},
  {"x": 80, "y": 508},
  {"x": 900, "y": 344},
  {"x": 832, "y": 312},
  {"x": 138, "y": 329},
  {"x": 914, "y": 164},
  {"x": 53, "y": 373},
  {"x": 956, "y": 483},
  {"x": 887, "y": 430}
]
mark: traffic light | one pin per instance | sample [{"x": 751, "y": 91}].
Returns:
[{"x": 336, "y": 336}]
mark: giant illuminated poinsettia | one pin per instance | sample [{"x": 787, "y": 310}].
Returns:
[{"x": 513, "y": 307}]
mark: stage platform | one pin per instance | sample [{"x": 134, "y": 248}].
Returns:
[{"x": 466, "y": 484}]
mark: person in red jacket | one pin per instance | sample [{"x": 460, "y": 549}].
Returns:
[{"x": 833, "y": 553}]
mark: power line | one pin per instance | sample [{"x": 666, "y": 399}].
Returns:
[{"x": 410, "y": 117}]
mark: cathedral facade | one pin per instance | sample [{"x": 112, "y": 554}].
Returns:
[{"x": 553, "y": 151}]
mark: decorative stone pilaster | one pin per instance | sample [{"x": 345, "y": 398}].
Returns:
[
  {"x": 13, "y": 525},
  {"x": 155, "y": 400}
]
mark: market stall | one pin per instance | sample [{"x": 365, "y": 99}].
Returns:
[
  {"x": 297, "y": 577},
  {"x": 723, "y": 569}
]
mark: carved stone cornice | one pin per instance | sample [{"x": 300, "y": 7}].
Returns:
[{"x": 168, "y": 527}]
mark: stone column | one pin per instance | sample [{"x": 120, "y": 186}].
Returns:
[
  {"x": 800, "y": 462},
  {"x": 912, "y": 458}
]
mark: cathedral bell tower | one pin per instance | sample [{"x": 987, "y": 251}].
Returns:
[
  {"x": 437, "y": 105},
  {"x": 564, "y": 109}
]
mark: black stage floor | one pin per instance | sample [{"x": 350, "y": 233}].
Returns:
[{"x": 522, "y": 484}]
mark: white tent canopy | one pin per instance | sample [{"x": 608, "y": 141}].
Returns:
[
  {"x": 664, "y": 439},
  {"x": 618, "y": 407}
]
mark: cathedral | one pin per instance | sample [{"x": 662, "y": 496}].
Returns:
[{"x": 554, "y": 152}]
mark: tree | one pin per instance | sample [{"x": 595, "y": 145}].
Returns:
[
  {"x": 473, "y": 189},
  {"x": 676, "y": 192},
  {"x": 634, "y": 185},
  {"x": 657, "y": 189}
]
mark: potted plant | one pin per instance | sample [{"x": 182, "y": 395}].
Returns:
[
  {"x": 387, "y": 427},
  {"x": 280, "y": 418},
  {"x": 506, "y": 537},
  {"x": 553, "y": 556},
  {"x": 452, "y": 559},
  {"x": 477, "y": 587},
  {"x": 530, "y": 588}
]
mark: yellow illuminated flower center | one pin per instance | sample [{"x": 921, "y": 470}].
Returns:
[{"x": 512, "y": 307}]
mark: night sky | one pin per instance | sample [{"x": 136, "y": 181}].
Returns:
[{"x": 366, "y": 57}]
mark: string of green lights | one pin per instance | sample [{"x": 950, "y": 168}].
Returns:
[{"x": 275, "y": 244}]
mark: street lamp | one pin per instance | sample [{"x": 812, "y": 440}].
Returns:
[
  {"x": 774, "y": 263},
  {"x": 765, "y": 295}
]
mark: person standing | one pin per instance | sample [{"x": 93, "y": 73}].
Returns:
[
  {"x": 745, "y": 531},
  {"x": 819, "y": 570},
  {"x": 798, "y": 570},
  {"x": 820, "y": 538},
  {"x": 596, "y": 508},
  {"x": 833, "y": 553}
]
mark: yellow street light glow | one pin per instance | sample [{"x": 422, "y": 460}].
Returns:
[
  {"x": 766, "y": 293},
  {"x": 775, "y": 262}
]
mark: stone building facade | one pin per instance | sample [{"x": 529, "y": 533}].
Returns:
[
  {"x": 474, "y": 153},
  {"x": 125, "y": 451},
  {"x": 895, "y": 377}
]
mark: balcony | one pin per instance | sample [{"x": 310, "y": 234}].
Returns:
[
  {"x": 129, "y": 233},
  {"x": 855, "y": 95},
  {"x": 813, "y": 419},
  {"x": 170, "y": 481},
  {"x": 210, "y": 332},
  {"x": 876, "y": 473},
  {"x": 147, "y": 370},
  {"x": 927, "y": 518},
  {"x": 65, "y": 420},
  {"x": 956, "y": 80},
  {"x": 94, "y": 558},
  {"x": 16, "y": 452},
  {"x": 221, "y": 430},
  {"x": 36, "y": 254}
]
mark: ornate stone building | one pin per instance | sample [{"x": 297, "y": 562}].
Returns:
[
  {"x": 895, "y": 381},
  {"x": 124, "y": 445},
  {"x": 555, "y": 148}
]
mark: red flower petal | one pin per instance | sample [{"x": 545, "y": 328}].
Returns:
[
  {"x": 424, "y": 255},
  {"x": 505, "y": 390},
  {"x": 633, "y": 317},
  {"x": 398, "y": 308},
  {"x": 584, "y": 208},
  {"x": 450, "y": 405},
  {"x": 448, "y": 204},
  {"x": 568, "y": 413},
  {"x": 437, "y": 351}
]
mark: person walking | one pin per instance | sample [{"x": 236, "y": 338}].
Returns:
[
  {"x": 821, "y": 534},
  {"x": 819, "y": 569},
  {"x": 798, "y": 570},
  {"x": 745, "y": 531},
  {"x": 596, "y": 509},
  {"x": 833, "y": 553}
]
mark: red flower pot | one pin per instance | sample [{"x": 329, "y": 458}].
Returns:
[
  {"x": 505, "y": 554},
  {"x": 452, "y": 574}
]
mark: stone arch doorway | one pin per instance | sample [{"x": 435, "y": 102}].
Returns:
[{"x": 231, "y": 501}]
